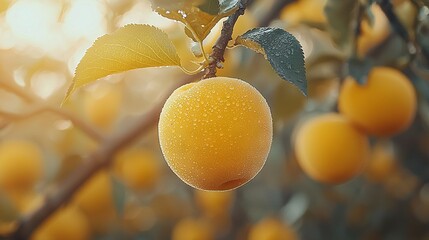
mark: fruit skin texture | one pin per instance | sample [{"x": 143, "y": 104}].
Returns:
[
  {"x": 21, "y": 165},
  {"x": 216, "y": 134},
  {"x": 329, "y": 149},
  {"x": 384, "y": 106}
]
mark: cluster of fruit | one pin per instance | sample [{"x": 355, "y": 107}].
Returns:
[{"x": 334, "y": 148}]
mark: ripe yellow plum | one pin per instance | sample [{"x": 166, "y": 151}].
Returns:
[
  {"x": 214, "y": 204},
  {"x": 102, "y": 106},
  {"x": 384, "y": 106},
  {"x": 21, "y": 165},
  {"x": 271, "y": 229},
  {"x": 192, "y": 229},
  {"x": 138, "y": 168},
  {"x": 329, "y": 149},
  {"x": 95, "y": 197},
  {"x": 66, "y": 224},
  {"x": 216, "y": 134}
]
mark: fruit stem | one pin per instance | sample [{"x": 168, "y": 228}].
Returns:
[{"x": 216, "y": 57}]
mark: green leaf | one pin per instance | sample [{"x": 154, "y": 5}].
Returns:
[
  {"x": 130, "y": 47},
  {"x": 210, "y": 6},
  {"x": 283, "y": 51},
  {"x": 198, "y": 22},
  {"x": 341, "y": 16},
  {"x": 119, "y": 195}
]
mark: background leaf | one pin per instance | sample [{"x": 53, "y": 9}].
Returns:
[
  {"x": 199, "y": 22},
  {"x": 130, "y": 47},
  {"x": 119, "y": 192},
  {"x": 341, "y": 16},
  {"x": 359, "y": 69},
  {"x": 210, "y": 6},
  {"x": 282, "y": 50}
]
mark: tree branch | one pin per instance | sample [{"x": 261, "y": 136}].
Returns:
[
  {"x": 216, "y": 58},
  {"x": 83, "y": 125},
  {"x": 98, "y": 160},
  {"x": 396, "y": 24}
]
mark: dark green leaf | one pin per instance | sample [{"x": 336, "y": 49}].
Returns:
[
  {"x": 226, "y": 6},
  {"x": 119, "y": 195},
  {"x": 282, "y": 50},
  {"x": 210, "y": 6},
  {"x": 341, "y": 16},
  {"x": 359, "y": 69}
]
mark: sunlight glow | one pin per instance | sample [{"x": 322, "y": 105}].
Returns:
[
  {"x": 85, "y": 19},
  {"x": 44, "y": 84},
  {"x": 34, "y": 22}
]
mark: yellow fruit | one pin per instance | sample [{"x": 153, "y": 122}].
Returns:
[
  {"x": 384, "y": 106},
  {"x": 304, "y": 11},
  {"x": 216, "y": 134},
  {"x": 26, "y": 202},
  {"x": 66, "y": 224},
  {"x": 102, "y": 105},
  {"x": 271, "y": 229},
  {"x": 214, "y": 204},
  {"x": 372, "y": 36},
  {"x": 382, "y": 163},
  {"x": 329, "y": 149},
  {"x": 95, "y": 197},
  {"x": 192, "y": 229},
  {"x": 20, "y": 165},
  {"x": 138, "y": 168}
]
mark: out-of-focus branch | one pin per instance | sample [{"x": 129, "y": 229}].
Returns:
[
  {"x": 83, "y": 125},
  {"x": 40, "y": 106},
  {"x": 216, "y": 58},
  {"x": 98, "y": 160},
  {"x": 396, "y": 24},
  {"x": 274, "y": 12},
  {"x": 20, "y": 92}
]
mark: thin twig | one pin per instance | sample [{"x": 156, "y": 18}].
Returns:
[
  {"x": 396, "y": 24},
  {"x": 216, "y": 58},
  {"x": 274, "y": 12},
  {"x": 98, "y": 160},
  {"x": 44, "y": 108},
  {"x": 20, "y": 92},
  {"x": 40, "y": 106}
]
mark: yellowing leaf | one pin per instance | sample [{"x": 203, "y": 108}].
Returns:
[{"x": 130, "y": 47}]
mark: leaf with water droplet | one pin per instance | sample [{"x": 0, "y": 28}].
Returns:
[
  {"x": 283, "y": 51},
  {"x": 199, "y": 16}
]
